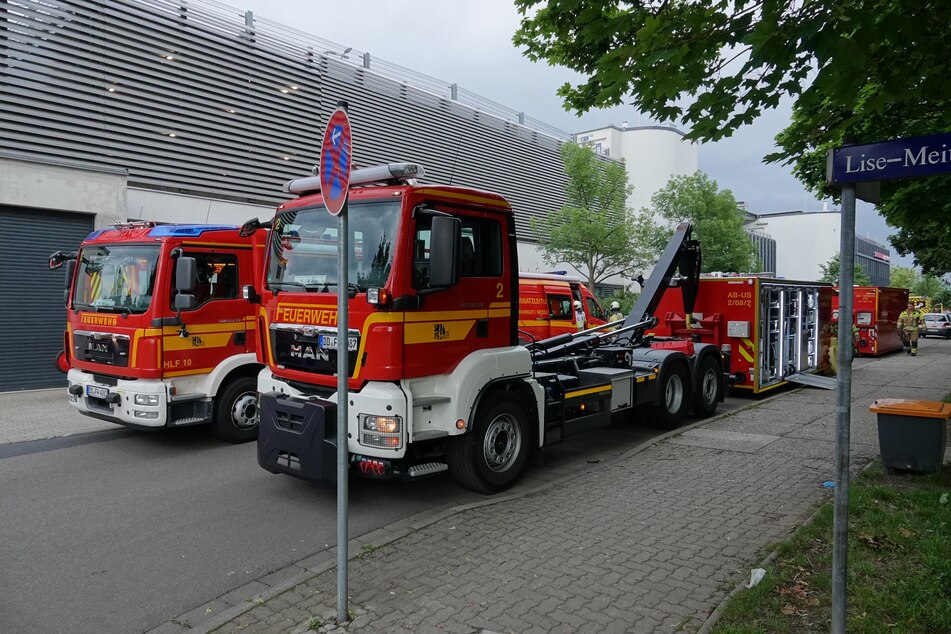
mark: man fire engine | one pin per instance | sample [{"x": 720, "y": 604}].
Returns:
[
  {"x": 437, "y": 378},
  {"x": 158, "y": 333}
]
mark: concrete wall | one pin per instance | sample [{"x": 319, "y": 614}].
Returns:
[{"x": 64, "y": 187}]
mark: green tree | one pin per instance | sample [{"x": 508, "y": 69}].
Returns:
[
  {"x": 830, "y": 273},
  {"x": 903, "y": 277},
  {"x": 857, "y": 71},
  {"x": 717, "y": 221},
  {"x": 928, "y": 286},
  {"x": 595, "y": 232}
]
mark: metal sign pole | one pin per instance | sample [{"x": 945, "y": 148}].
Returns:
[
  {"x": 840, "y": 534},
  {"x": 343, "y": 354}
]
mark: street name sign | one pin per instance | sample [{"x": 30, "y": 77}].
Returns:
[{"x": 900, "y": 158}]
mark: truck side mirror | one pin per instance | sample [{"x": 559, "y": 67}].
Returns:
[
  {"x": 444, "y": 251},
  {"x": 184, "y": 301},
  {"x": 186, "y": 274},
  {"x": 68, "y": 280}
]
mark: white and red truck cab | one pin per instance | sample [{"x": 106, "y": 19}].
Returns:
[
  {"x": 437, "y": 378},
  {"x": 158, "y": 332}
]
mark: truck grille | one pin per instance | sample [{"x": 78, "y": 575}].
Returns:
[
  {"x": 305, "y": 348},
  {"x": 101, "y": 347}
]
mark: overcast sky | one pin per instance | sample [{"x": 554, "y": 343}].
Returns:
[{"x": 469, "y": 43}]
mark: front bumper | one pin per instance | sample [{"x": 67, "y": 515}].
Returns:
[{"x": 114, "y": 400}]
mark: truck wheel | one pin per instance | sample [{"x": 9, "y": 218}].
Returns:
[
  {"x": 236, "y": 411},
  {"x": 491, "y": 456},
  {"x": 709, "y": 387},
  {"x": 674, "y": 392}
]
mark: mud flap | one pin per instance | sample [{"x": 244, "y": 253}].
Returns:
[{"x": 298, "y": 437}]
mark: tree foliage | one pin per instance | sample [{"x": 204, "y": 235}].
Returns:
[
  {"x": 830, "y": 273},
  {"x": 859, "y": 71},
  {"x": 903, "y": 277},
  {"x": 717, "y": 221},
  {"x": 595, "y": 232},
  {"x": 929, "y": 286}
]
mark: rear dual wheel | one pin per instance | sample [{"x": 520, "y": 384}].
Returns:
[{"x": 674, "y": 393}]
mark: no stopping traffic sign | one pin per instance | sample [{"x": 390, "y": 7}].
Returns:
[{"x": 335, "y": 159}]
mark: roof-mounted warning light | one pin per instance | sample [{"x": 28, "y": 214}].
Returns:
[{"x": 390, "y": 172}]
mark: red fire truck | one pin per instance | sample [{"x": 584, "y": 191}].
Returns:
[
  {"x": 158, "y": 333},
  {"x": 774, "y": 327},
  {"x": 437, "y": 378},
  {"x": 545, "y": 303},
  {"x": 875, "y": 311}
]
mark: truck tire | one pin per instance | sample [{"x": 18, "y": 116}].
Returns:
[
  {"x": 709, "y": 387},
  {"x": 236, "y": 411},
  {"x": 491, "y": 456},
  {"x": 674, "y": 396}
]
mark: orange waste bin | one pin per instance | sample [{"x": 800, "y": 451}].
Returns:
[{"x": 912, "y": 435}]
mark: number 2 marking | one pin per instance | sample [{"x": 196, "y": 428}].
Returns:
[{"x": 498, "y": 288}]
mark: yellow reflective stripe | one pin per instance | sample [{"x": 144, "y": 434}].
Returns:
[
  {"x": 139, "y": 333},
  {"x": 498, "y": 312},
  {"x": 748, "y": 355},
  {"x": 590, "y": 390},
  {"x": 448, "y": 315},
  {"x": 218, "y": 327},
  {"x": 187, "y": 372},
  {"x": 195, "y": 342},
  {"x": 500, "y": 305},
  {"x": 493, "y": 202}
]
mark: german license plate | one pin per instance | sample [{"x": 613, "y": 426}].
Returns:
[
  {"x": 329, "y": 342},
  {"x": 97, "y": 392}
]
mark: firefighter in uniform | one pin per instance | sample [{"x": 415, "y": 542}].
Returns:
[
  {"x": 615, "y": 314},
  {"x": 579, "y": 315},
  {"x": 908, "y": 327}
]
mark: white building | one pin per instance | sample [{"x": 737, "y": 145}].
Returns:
[
  {"x": 652, "y": 155},
  {"x": 807, "y": 240}
]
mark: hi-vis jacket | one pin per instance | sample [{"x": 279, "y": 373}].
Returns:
[{"x": 908, "y": 321}]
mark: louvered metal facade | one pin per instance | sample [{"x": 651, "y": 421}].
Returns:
[
  {"x": 33, "y": 316},
  {"x": 196, "y": 97}
]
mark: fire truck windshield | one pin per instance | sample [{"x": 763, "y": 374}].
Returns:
[
  {"x": 115, "y": 278},
  {"x": 303, "y": 249}
]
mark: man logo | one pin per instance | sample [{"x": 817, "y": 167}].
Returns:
[{"x": 308, "y": 352}]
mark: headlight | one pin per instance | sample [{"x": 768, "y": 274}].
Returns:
[
  {"x": 147, "y": 399},
  {"x": 381, "y": 431}
]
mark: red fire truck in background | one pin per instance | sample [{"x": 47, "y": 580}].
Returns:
[
  {"x": 545, "y": 305},
  {"x": 875, "y": 316},
  {"x": 437, "y": 377},
  {"x": 158, "y": 333},
  {"x": 774, "y": 327}
]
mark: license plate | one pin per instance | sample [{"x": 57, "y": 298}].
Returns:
[
  {"x": 329, "y": 342},
  {"x": 97, "y": 392}
]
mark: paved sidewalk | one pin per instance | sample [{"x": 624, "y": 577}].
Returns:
[
  {"x": 647, "y": 542},
  {"x": 650, "y": 542},
  {"x": 42, "y": 414}
]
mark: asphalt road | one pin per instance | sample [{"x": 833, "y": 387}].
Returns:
[{"x": 119, "y": 531}]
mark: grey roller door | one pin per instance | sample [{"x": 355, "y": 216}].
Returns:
[{"x": 32, "y": 315}]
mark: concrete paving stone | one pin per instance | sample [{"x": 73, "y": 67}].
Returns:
[{"x": 169, "y": 627}]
